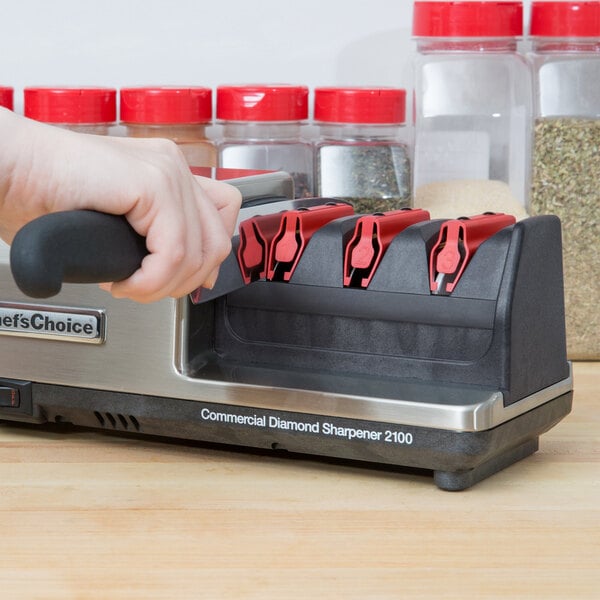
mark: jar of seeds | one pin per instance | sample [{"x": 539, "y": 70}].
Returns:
[
  {"x": 180, "y": 114},
  {"x": 262, "y": 130},
  {"x": 472, "y": 94},
  {"x": 362, "y": 154},
  {"x": 85, "y": 110},
  {"x": 566, "y": 154}
]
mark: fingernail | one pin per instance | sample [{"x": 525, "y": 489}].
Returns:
[{"x": 209, "y": 282}]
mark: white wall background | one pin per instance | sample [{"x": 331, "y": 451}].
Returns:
[{"x": 194, "y": 42}]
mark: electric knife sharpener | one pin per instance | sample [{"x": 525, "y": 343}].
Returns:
[{"x": 389, "y": 338}]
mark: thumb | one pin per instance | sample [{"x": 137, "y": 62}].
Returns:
[{"x": 226, "y": 198}]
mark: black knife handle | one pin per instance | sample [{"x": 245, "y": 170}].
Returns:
[{"x": 79, "y": 246}]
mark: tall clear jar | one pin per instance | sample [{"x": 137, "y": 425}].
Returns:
[
  {"x": 6, "y": 97},
  {"x": 362, "y": 153},
  {"x": 565, "y": 56},
  {"x": 472, "y": 94},
  {"x": 84, "y": 109},
  {"x": 181, "y": 114},
  {"x": 262, "y": 129}
]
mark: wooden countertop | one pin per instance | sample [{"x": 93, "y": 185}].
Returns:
[{"x": 93, "y": 516}]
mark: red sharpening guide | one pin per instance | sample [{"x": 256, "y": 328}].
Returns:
[
  {"x": 457, "y": 242},
  {"x": 372, "y": 235},
  {"x": 256, "y": 236},
  {"x": 295, "y": 231}
]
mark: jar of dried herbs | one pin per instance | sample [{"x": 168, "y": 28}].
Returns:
[
  {"x": 181, "y": 114},
  {"x": 363, "y": 150},
  {"x": 472, "y": 94},
  {"x": 262, "y": 129},
  {"x": 85, "y": 109},
  {"x": 566, "y": 154},
  {"x": 6, "y": 97}
]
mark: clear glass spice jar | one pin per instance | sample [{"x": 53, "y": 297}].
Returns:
[
  {"x": 181, "y": 114},
  {"x": 362, "y": 153},
  {"x": 6, "y": 97},
  {"x": 85, "y": 109},
  {"x": 472, "y": 94},
  {"x": 262, "y": 130},
  {"x": 565, "y": 57}
]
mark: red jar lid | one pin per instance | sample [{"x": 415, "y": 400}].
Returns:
[
  {"x": 6, "y": 97},
  {"x": 360, "y": 105},
  {"x": 468, "y": 19},
  {"x": 278, "y": 102},
  {"x": 71, "y": 105},
  {"x": 565, "y": 19},
  {"x": 166, "y": 105}
]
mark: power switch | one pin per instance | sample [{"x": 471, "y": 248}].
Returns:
[{"x": 9, "y": 397}]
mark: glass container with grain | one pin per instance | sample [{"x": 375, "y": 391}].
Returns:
[
  {"x": 472, "y": 94},
  {"x": 262, "y": 129},
  {"x": 363, "y": 149},
  {"x": 81, "y": 109},
  {"x": 565, "y": 58},
  {"x": 181, "y": 114}
]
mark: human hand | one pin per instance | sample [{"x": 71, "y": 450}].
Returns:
[{"x": 187, "y": 221}]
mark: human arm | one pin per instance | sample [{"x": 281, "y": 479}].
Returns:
[{"x": 187, "y": 221}]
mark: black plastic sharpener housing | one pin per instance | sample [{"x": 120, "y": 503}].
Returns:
[{"x": 502, "y": 327}]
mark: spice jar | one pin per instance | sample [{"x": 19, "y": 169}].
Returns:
[
  {"x": 181, "y": 114},
  {"x": 262, "y": 127},
  {"x": 86, "y": 110},
  {"x": 6, "y": 97},
  {"x": 566, "y": 159},
  {"x": 472, "y": 94},
  {"x": 362, "y": 152}
]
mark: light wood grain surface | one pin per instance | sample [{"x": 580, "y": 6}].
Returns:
[{"x": 93, "y": 516}]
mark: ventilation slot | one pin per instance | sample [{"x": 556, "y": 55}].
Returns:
[{"x": 126, "y": 422}]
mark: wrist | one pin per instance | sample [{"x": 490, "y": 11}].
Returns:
[{"x": 27, "y": 165}]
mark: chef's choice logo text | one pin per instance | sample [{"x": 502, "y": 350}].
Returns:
[
  {"x": 46, "y": 323},
  {"x": 67, "y": 324}
]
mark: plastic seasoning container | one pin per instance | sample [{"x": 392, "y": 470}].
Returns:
[
  {"x": 362, "y": 153},
  {"x": 262, "y": 130},
  {"x": 6, "y": 97},
  {"x": 472, "y": 94},
  {"x": 181, "y": 114},
  {"x": 86, "y": 110},
  {"x": 565, "y": 58}
]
